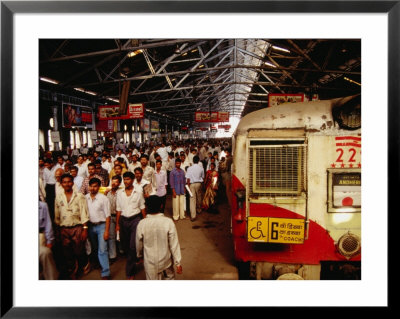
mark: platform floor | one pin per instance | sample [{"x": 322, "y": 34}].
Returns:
[{"x": 206, "y": 248}]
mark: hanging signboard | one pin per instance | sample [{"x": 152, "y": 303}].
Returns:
[
  {"x": 55, "y": 136},
  {"x": 135, "y": 111},
  {"x": 275, "y": 99},
  {"x": 223, "y": 116},
  {"x": 225, "y": 127},
  {"x": 215, "y": 117},
  {"x": 145, "y": 125},
  {"x": 111, "y": 112},
  {"x": 155, "y": 126},
  {"x": 76, "y": 115},
  {"x": 105, "y": 126},
  {"x": 93, "y": 135}
]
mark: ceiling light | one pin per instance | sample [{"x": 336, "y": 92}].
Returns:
[
  {"x": 48, "y": 80},
  {"x": 280, "y": 49},
  {"x": 270, "y": 64},
  {"x": 352, "y": 81},
  {"x": 201, "y": 66},
  {"x": 83, "y": 90},
  {"x": 134, "y": 53}
]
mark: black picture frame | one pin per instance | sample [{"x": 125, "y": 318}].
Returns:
[{"x": 9, "y": 8}]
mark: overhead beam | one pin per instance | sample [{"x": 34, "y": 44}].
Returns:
[
  {"x": 303, "y": 53},
  {"x": 77, "y": 76},
  {"x": 198, "y": 63},
  {"x": 261, "y": 67},
  {"x": 124, "y": 48},
  {"x": 60, "y": 47},
  {"x": 229, "y": 83}
]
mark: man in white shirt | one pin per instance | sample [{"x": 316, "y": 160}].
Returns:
[
  {"x": 162, "y": 183},
  {"x": 84, "y": 149},
  {"x": 152, "y": 157},
  {"x": 163, "y": 152},
  {"x": 148, "y": 172},
  {"x": 185, "y": 162},
  {"x": 157, "y": 241},
  {"x": 77, "y": 179},
  {"x": 136, "y": 151},
  {"x": 180, "y": 148},
  {"x": 112, "y": 197},
  {"x": 190, "y": 156},
  {"x": 49, "y": 182},
  {"x": 99, "y": 225},
  {"x": 82, "y": 167},
  {"x": 57, "y": 175},
  {"x": 139, "y": 180},
  {"x": 130, "y": 210},
  {"x": 135, "y": 163},
  {"x": 194, "y": 178},
  {"x": 120, "y": 154},
  {"x": 75, "y": 152},
  {"x": 60, "y": 162},
  {"x": 105, "y": 164}
]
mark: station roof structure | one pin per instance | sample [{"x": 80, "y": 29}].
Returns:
[{"x": 174, "y": 78}]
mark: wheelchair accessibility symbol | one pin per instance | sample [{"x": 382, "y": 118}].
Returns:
[{"x": 257, "y": 229}]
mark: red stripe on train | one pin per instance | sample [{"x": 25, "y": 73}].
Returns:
[
  {"x": 318, "y": 247},
  {"x": 339, "y": 138},
  {"x": 348, "y": 144}
]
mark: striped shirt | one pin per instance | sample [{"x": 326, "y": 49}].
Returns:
[{"x": 85, "y": 184}]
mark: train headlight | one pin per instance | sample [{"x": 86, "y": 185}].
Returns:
[{"x": 349, "y": 245}]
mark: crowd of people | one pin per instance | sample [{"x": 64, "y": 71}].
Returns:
[{"x": 96, "y": 205}]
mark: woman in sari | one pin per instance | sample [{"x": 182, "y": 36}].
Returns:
[{"x": 211, "y": 183}]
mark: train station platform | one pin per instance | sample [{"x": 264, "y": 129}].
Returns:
[{"x": 206, "y": 248}]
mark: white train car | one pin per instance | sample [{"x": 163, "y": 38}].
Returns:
[{"x": 296, "y": 190}]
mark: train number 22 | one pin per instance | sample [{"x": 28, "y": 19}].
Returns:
[{"x": 352, "y": 152}]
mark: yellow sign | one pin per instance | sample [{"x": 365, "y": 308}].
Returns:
[
  {"x": 257, "y": 229},
  {"x": 287, "y": 231},
  {"x": 275, "y": 230}
]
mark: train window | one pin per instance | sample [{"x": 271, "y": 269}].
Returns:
[
  {"x": 52, "y": 146},
  {"x": 344, "y": 190},
  {"x": 277, "y": 168}
]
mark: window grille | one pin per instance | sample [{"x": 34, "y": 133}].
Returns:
[{"x": 277, "y": 168}]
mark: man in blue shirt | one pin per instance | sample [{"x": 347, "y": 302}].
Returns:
[
  {"x": 177, "y": 182},
  {"x": 46, "y": 239}
]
